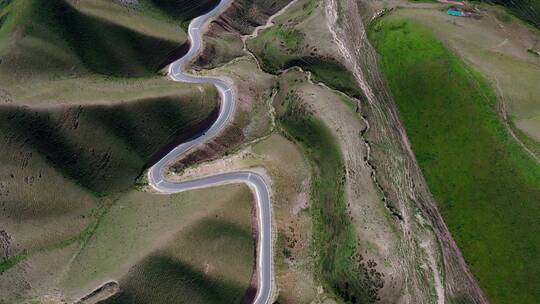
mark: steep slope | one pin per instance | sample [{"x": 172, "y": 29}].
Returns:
[
  {"x": 424, "y": 237},
  {"x": 528, "y": 10},
  {"x": 39, "y": 29},
  {"x": 208, "y": 262},
  {"x": 486, "y": 186},
  {"x": 123, "y": 136},
  {"x": 82, "y": 114}
]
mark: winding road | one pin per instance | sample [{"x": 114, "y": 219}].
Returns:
[{"x": 255, "y": 181}]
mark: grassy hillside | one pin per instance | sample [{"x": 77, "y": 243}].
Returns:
[
  {"x": 223, "y": 41},
  {"x": 62, "y": 165},
  {"x": 39, "y": 30},
  {"x": 193, "y": 247},
  {"x": 282, "y": 47},
  {"x": 287, "y": 45},
  {"x": 82, "y": 113},
  {"x": 338, "y": 264},
  {"x": 528, "y": 10},
  {"x": 61, "y": 52},
  {"x": 169, "y": 275},
  {"x": 513, "y": 71},
  {"x": 139, "y": 16},
  {"x": 104, "y": 148},
  {"x": 487, "y": 188}
]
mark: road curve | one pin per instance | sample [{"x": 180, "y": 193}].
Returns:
[{"x": 256, "y": 182}]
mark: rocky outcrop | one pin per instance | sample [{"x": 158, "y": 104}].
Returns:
[{"x": 5, "y": 246}]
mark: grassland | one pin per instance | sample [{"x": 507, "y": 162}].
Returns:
[
  {"x": 77, "y": 44},
  {"x": 62, "y": 33},
  {"x": 338, "y": 266},
  {"x": 290, "y": 43},
  {"x": 194, "y": 247},
  {"x": 280, "y": 47},
  {"x": 487, "y": 188},
  {"x": 82, "y": 114},
  {"x": 293, "y": 267},
  {"x": 141, "y": 17},
  {"x": 78, "y": 158},
  {"x": 498, "y": 50},
  {"x": 335, "y": 244},
  {"x": 72, "y": 38},
  {"x": 124, "y": 136}
]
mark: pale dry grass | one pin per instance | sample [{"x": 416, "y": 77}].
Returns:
[
  {"x": 308, "y": 17},
  {"x": 40, "y": 207},
  {"x": 43, "y": 270},
  {"x": 101, "y": 91}
]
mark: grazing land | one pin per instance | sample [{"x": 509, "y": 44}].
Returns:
[
  {"x": 81, "y": 118},
  {"x": 48, "y": 151},
  {"x": 181, "y": 11},
  {"x": 129, "y": 135},
  {"x": 84, "y": 112},
  {"x": 372, "y": 259},
  {"x": 487, "y": 187},
  {"x": 340, "y": 266},
  {"x": 501, "y": 51},
  {"x": 287, "y": 44},
  {"x": 293, "y": 258},
  {"x": 334, "y": 238},
  {"x": 192, "y": 247},
  {"x": 56, "y": 35}
]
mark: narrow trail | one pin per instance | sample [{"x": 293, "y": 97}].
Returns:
[{"x": 256, "y": 182}]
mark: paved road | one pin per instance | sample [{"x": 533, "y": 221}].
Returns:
[{"x": 252, "y": 179}]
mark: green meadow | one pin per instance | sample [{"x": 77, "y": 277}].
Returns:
[{"x": 486, "y": 186}]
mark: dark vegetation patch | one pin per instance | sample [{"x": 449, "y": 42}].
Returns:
[
  {"x": 8, "y": 263},
  {"x": 528, "y": 10},
  {"x": 276, "y": 46},
  {"x": 486, "y": 186},
  {"x": 4, "y": 3},
  {"x": 104, "y": 148},
  {"x": 339, "y": 265},
  {"x": 3, "y": 14},
  {"x": 330, "y": 72}
]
